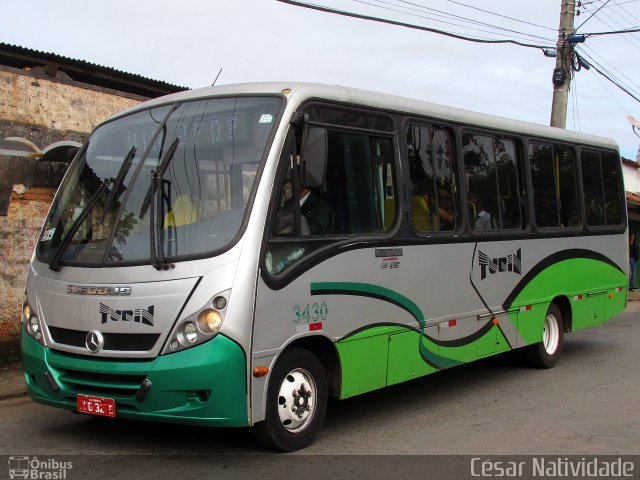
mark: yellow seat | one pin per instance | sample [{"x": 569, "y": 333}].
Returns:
[
  {"x": 389, "y": 213},
  {"x": 184, "y": 212},
  {"x": 422, "y": 218}
]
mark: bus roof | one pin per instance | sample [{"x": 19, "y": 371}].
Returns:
[{"x": 298, "y": 92}]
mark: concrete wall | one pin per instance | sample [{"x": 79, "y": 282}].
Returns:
[
  {"x": 43, "y": 111},
  {"x": 631, "y": 175}
]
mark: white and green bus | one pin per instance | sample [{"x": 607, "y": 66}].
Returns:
[{"x": 235, "y": 255}]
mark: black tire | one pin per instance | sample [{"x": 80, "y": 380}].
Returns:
[
  {"x": 545, "y": 354},
  {"x": 292, "y": 420}
]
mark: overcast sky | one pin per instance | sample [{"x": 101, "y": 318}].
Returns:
[{"x": 187, "y": 42}]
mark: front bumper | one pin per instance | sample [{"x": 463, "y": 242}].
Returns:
[{"x": 204, "y": 385}]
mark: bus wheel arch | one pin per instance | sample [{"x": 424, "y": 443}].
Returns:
[
  {"x": 564, "y": 305},
  {"x": 547, "y": 352},
  {"x": 300, "y": 382},
  {"x": 326, "y": 352}
]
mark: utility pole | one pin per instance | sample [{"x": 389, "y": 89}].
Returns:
[{"x": 563, "y": 70}]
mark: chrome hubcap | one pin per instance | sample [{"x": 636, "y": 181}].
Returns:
[
  {"x": 297, "y": 400},
  {"x": 551, "y": 334}
]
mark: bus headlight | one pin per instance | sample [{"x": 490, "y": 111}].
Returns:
[
  {"x": 31, "y": 322},
  {"x": 210, "y": 321},
  {"x": 189, "y": 332},
  {"x": 33, "y": 326},
  {"x": 199, "y": 327}
]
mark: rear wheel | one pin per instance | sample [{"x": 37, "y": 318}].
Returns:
[
  {"x": 296, "y": 402},
  {"x": 545, "y": 354}
]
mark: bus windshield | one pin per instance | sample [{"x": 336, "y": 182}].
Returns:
[{"x": 175, "y": 178}]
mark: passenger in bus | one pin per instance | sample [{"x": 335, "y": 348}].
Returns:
[
  {"x": 595, "y": 215},
  {"x": 284, "y": 223},
  {"x": 316, "y": 211},
  {"x": 445, "y": 210},
  {"x": 483, "y": 219}
]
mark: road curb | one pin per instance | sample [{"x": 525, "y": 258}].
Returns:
[
  {"x": 9, "y": 396},
  {"x": 12, "y": 381}
]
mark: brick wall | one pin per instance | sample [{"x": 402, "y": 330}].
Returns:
[
  {"x": 18, "y": 233},
  {"x": 43, "y": 111},
  {"x": 32, "y": 100}
]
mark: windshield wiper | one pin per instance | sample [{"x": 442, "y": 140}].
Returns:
[
  {"x": 156, "y": 194},
  {"x": 164, "y": 163},
  {"x": 64, "y": 244},
  {"x": 117, "y": 182}
]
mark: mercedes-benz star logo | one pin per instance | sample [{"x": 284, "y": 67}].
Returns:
[{"x": 94, "y": 341}]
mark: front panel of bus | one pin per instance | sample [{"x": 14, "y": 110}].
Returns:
[{"x": 139, "y": 299}]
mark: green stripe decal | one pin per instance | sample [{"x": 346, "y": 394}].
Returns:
[{"x": 425, "y": 346}]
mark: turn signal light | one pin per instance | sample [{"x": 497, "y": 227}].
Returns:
[{"x": 260, "y": 371}]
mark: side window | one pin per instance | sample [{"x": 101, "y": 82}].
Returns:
[
  {"x": 360, "y": 183},
  {"x": 354, "y": 196},
  {"x": 567, "y": 189},
  {"x": 592, "y": 187},
  {"x": 611, "y": 182},
  {"x": 491, "y": 173},
  {"x": 554, "y": 185},
  {"x": 601, "y": 186},
  {"x": 433, "y": 206},
  {"x": 511, "y": 203}
]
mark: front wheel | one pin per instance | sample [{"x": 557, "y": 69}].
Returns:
[
  {"x": 296, "y": 402},
  {"x": 545, "y": 354}
]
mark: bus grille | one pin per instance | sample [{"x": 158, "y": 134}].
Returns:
[
  {"x": 111, "y": 384},
  {"x": 128, "y": 342}
]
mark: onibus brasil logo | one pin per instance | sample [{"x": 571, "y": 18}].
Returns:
[{"x": 35, "y": 469}]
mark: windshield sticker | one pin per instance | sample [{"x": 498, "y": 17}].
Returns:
[
  {"x": 266, "y": 118},
  {"x": 47, "y": 235}
]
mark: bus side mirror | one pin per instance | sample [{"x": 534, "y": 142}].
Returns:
[{"x": 314, "y": 157}]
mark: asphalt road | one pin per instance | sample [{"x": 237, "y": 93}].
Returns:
[{"x": 587, "y": 405}]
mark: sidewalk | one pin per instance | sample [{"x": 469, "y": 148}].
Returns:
[{"x": 12, "y": 380}]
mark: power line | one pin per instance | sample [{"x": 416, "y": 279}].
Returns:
[
  {"x": 619, "y": 24},
  {"x": 470, "y": 20},
  {"x": 450, "y": 16},
  {"x": 412, "y": 26},
  {"x": 625, "y": 90},
  {"x": 500, "y": 15},
  {"x": 615, "y": 32},
  {"x": 592, "y": 15},
  {"x": 609, "y": 26},
  {"x": 627, "y": 12},
  {"x": 611, "y": 95},
  {"x": 584, "y": 4},
  {"x": 604, "y": 60},
  {"x": 625, "y": 18},
  {"x": 575, "y": 109},
  {"x": 610, "y": 75},
  {"x": 612, "y": 5}
]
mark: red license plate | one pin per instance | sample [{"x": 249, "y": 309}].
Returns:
[{"x": 96, "y": 405}]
